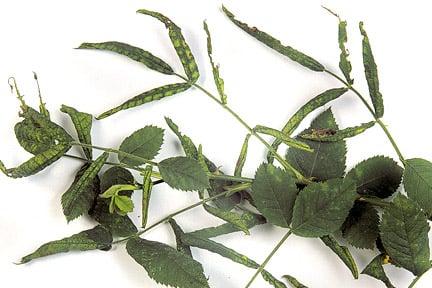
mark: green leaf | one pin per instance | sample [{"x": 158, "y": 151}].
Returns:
[
  {"x": 306, "y": 109},
  {"x": 83, "y": 124},
  {"x": 242, "y": 157},
  {"x": 215, "y": 68},
  {"x": 183, "y": 173},
  {"x": 148, "y": 96},
  {"x": 283, "y": 137},
  {"x": 32, "y": 138},
  {"x": 378, "y": 176},
  {"x": 230, "y": 217},
  {"x": 328, "y": 159},
  {"x": 117, "y": 176},
  {"x": 360, "y": 229},
  {"x": 96, "y": 238},
  {"x": 37, "y": 163},
  {"x": 182, "y": 48},
  {"x": 166, "y": 265},
  {"x": 217, "y": 248},
  {"x": 371, "y": 73},
  {"x": 251, "y": 220},
  {"x": 148, "y": 59},
  {"x": 145, "y": 143},
  {"x": 344, "y": 63},
  {"x": 276, "y": 45},
  {"x": 115, "y": 189},
  {"x": 375, "y": 269},
  {"x": 79, "y": 198},
  {"x": 146, "y": 194},
  {"x": 328, "y": 135},
  {"x": 404, "y": 234},
  {"x": 321, "y": 208},
  {"x": 418, "y": 182},
  {"x": 343, "y": 253},
  {"x": 294, "y": 282},
  {"x": 216, "y": 186},
  {"x": 274, "y": 192},
  {"x": 124, "y": 204},
  {"x": 272, "y": 280},
  {"x": 178, "y": 232},
  {"x": 36, "y": 133},
  {"x": 118, "y": 225},
  {"x": 40, "y": 120},
  {"x": 189, "y": 147}
]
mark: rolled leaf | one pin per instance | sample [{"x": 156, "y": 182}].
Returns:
[
  {"x": 321, "y": 208},
  {"x": 220, "y": 85},
  {"x": 145, "y": 143},
  {"x": 166, "y": 265},
  {"x": 178, "y": 231},
  {"x": 147, "y": 187},
  {"x": 294, "y": 282},
  {"x": 242, "y": 157},
  {"x": 142, "y": 56},
  {"x": 418, "y": 182},
  {"x": 251, "y": 220},
  {"x": 96, "y": 238},
  {"x": 79, "y": 198},
  {"x": 274, "y": 192},
  {"x": 146, "y": 97},
  {"x": 182, "y": 48},
  {"x": 183, "y": 173},
  {"x": 83, "y": 124},
  {"x": 283, "y": 137},
  {"x": 404, "y": 234},
  {"x": 343, "y": 253},
  {"x": 230, "y": 217},
  {"x": 306, "y": 109},
  {"x": 328, "y": 135},
  {"x": 371, "y": 73},
  {"x": 276, "y": 45}
]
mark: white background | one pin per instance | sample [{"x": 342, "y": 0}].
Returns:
[{"x": 262, "y": 86}]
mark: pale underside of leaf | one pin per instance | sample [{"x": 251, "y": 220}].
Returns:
[
  {"x": 83, "y": 125},
  {"x": 148, "y": 96},
  {"x": 328, "y": 135},
  {"x": 137, "y": 54},
  {"x": 276, "y": 45},
  {"x": 96, "y": 238},
  {"x": 306, "y": 109}
]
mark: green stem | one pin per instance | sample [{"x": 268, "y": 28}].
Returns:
[
  {"x": 378, "y": 120},
  {"x": 230, "y": 178},
  {"x": 272, "y": 253},
  {"x": 172, "y": 215},
  {"x": 118, "y": 152},
  {"x": 106, "y": 163},
  {"x": 278, "y": 157},
  {"x": 415, "y": 280}
]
